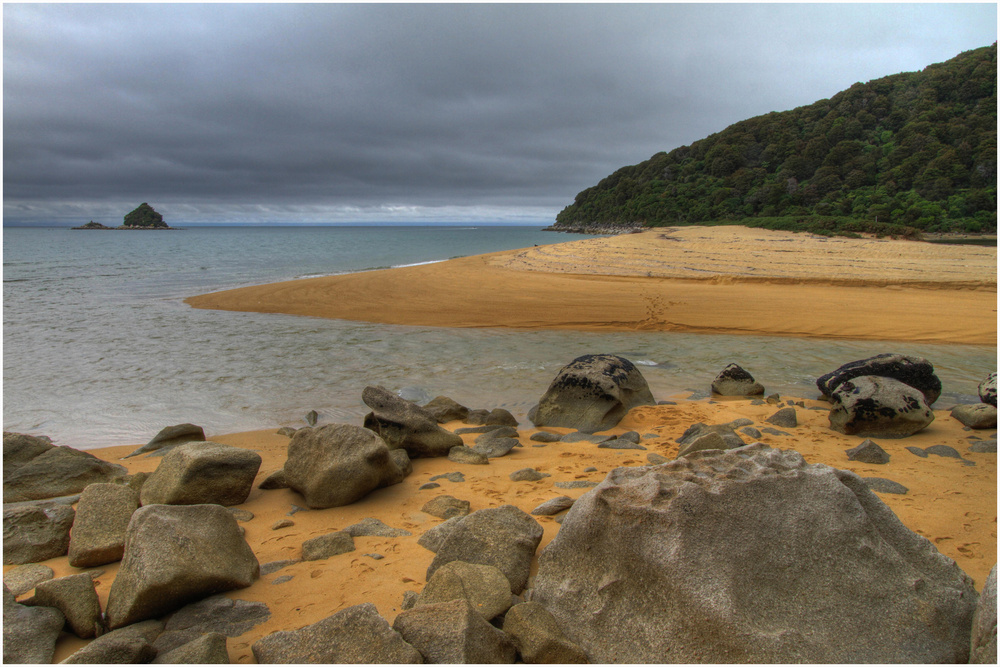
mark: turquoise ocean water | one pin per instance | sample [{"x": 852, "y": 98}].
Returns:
[{"x": 99, "y": 348}]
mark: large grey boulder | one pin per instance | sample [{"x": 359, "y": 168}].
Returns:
[
  {"x": 76, "y": 597},
  {"x": 984, "y": 624},
  {"x": 338, "y": 464},
  {"x": 505, "y": 537},
  {"x": 59, "y": 471},
  {"x": 170, "y": 437},
  {"x": 405, "y": 425},
  {"x": 102, "y": 515},
  {"x": 976, "y": 415},
  {"x": 538, "y": 637},
  {"x": 444, "y": 409},
  {"x": 735, "y": 381},
  {"x": 356, "y": 634},
  {"x": 484, "y": 587},
  {"x": 916, "y": 372},
  {"x": 454, "y": 633},
  {"x": 29, "y": 633},
  {"x": 872, "y": 406},
  {"x": 200, "y": 473},
  {"x": 987, "y": 390},
  {"x": 176, "y": 554},
  {"x": 35, "y": 532},
  {"x": 129, "y": 645},
  {"x": 592, "y": 393},
  {"x": 749, "y": 555}
]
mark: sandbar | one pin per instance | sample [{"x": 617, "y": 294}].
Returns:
[{"x": 726, "y": 279}]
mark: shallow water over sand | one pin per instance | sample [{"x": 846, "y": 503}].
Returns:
[{"x": 99, "y": 349}]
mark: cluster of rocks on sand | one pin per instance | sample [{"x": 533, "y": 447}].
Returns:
[{"x": 730, "y": 552}]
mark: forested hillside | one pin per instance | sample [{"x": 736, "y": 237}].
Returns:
[{"x": 915, "y": 149}]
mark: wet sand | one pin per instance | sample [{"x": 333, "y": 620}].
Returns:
[{"x": 731, "y": 280}]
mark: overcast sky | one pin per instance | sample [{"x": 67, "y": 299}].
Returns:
[{"x": 392, "y": 113}]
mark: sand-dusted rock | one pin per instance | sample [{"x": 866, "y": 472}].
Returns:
[
  {"x": 721, "y": 556},
  {"x": 500, "y": 417},
  {"x": 785, "y": 417},
  {"x": 199, "y": 473},
  {"x": 446, "y": 507},
  {"x": 498, "y": 442},
  {"x": 463, "y": 454},
  {"x": 374, "y": 527},
  {"x": 916, "y": 372},
  {"x": 987, "y": 391},
  {"x": 735, "y": 381},
  {"x": 338, "y": 464},
  {"x": 59, "y": 471},
  {"x": 984, "y": 624},
  {"x": 21, "y": 448},
  {"x": 538, "y": 637},
  {"x": 129, "y": 645},
  {"x": 504, "y": 537},
  {"x": 402, "y": 461},
  {"x": 102, "y": 515},
  {"x": 175, "y": 554},
  {"x": 169, "y": 437},
  {"x": 453, "y": 633},
  {"x": 725, "y": 431},
  {"x": 76, "y": 597},
  {"x": 873, "y": 406},
  {"x": 444, "y": 409},
  {"x": 35, "y": 532},
  {"x": 592, "y": 393},
  {"x": 484, "y": 587},
  {"x": 435, "y": 537},
  {"x": 276, "y": 480},
  {"x": 553, "y": 506},
  {"x": 29, "y": 633},
  {"x": 405, "y": 425},
  {"x": 23, "y": 578},
  {"x": 977, "y": 415},
  {"x": 327, "y": 546},
  {"x": 208, "y": 649},
  {"x": 868, "y": 452},
  {"x": 527, "y": 475},
  {"x": 356, "y": 634}
]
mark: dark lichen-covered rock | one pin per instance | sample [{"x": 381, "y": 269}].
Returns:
[
  {"x": 592, "y": 393},
  {"x": 916, "y": 372},
  {"x": 874, "y": 406},
  {"x": 735, "y": 381},
  {"x": 144, "y": 217},
  {"x": 749, "y": 555},
  {"x": 988, "y": 390}
]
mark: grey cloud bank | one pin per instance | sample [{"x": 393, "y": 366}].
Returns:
[{"x": 382, "y": 113}]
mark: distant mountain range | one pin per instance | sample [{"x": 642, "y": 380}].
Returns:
[{"x": 904, "y": 154}]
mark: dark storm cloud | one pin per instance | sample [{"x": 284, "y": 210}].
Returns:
[{"x": 379, "y": 112}]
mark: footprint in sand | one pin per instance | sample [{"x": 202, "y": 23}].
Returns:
[{"x": 969, "y": 549}]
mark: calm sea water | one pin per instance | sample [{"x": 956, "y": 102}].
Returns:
[{"x": 99, "y": 348}]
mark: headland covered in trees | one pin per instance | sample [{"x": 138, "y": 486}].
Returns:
[
  {"x": 901, "y": 155},
  {"x": 142, "y": 217}
]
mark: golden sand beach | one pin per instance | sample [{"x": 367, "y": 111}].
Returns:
[{"x": 731, "y": 280}]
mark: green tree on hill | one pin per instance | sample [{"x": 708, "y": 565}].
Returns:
[{"x": 915, "y": 150}]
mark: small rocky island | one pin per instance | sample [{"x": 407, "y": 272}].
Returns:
[{"x": 143, "y": 217}]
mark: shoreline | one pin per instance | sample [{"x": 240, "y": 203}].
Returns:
[
  {"x": 698, "y": 280},
  {"x": 949, "y": 502}
]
